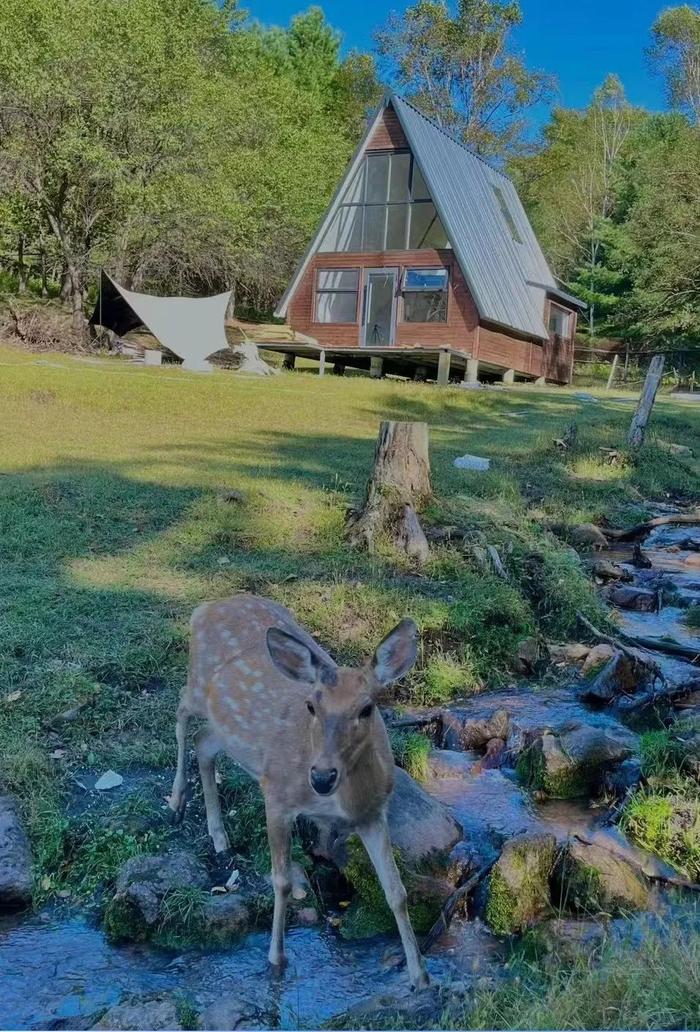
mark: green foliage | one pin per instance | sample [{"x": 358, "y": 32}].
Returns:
[
  {"x": 442, "y": 679},
  {"x": 648, "y": 981},
  {"x": 411, "y": 751},
  {"x": 667, "y": 825},
  {"x": 462, "y": 69},
  {"x": 129, "y": 139},
  {"x": 675, "y": 55},
  {"x": 692, "y": 617}
]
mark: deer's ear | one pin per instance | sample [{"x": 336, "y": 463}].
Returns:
[
  {"x": 296, "y": 660},
  {"x": 397, "y": 653}
]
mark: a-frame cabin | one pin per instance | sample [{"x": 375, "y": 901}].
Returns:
[{"x": 425, "y": 264}]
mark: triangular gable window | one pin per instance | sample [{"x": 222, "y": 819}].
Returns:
[{"x": 385, "y": 207}]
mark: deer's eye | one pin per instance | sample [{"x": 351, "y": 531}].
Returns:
[
  {"x": 366, "y": 711},
  {"x": 311, "y": 710}
]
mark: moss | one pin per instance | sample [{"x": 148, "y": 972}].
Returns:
[
  {"x": 580, "y": 889},
  {"x": 692, "y": 617},
  {"x": 501, "y": 905},
  {"x": 442, "y": 679},
  {"x": 571, "y": 782},
  {"x": 370, "y": 913}
]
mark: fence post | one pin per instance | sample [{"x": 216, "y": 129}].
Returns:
[
  {"x": 612, "y": 372},
  {"x": 640, "y": 418}
]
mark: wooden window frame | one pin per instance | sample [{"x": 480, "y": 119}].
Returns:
[
  {"x": 335, "y": 290},
  {"x": 447, "y": 269}
]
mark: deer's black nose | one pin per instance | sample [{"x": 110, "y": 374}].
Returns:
[{"x": 323, "y": 781}]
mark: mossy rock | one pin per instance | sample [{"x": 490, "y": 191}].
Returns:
[
  {"x": 591, "y": 879},
  {"x": 370, "y": 914},
  {"x": 573, "y": 764},
  {"x": 518, "y": 888}
]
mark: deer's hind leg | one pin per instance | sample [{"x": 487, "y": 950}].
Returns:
[
  {"x": 208, "y": 746},
  {"x": 178, "y": 799}
]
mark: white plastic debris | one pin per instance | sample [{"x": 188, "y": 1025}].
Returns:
[
  {"x": 472, "y": 462},
  {"x": 110, "y": 779},
  {"x": 232, "y": 885}
]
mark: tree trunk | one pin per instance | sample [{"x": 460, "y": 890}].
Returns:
[
  {"x": 22, "y": 270},
  {"x": 645, "y": 404},
  {"x": 400, "y": 483}
]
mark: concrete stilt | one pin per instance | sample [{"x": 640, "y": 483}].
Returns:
[
  {"x": 376, "y": 366},
  {"x": 443, "y": 375},
  {"x": 471, "y": 373},
  {"x": 508, "y": 376},
  {"x": 540, "y": 381},
  {"x": 322, "y": 363}
]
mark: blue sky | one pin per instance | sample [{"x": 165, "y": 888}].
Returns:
[{"x": 578, "y": 41}]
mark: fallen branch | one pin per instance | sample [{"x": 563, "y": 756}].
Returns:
[
  {"x": 643, "y": 528},
  {"x": 451, "y": 904},
  {"x": 648, "y": 645}
]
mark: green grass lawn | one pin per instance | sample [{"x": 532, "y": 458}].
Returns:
[{"x": 112, "y": 530}]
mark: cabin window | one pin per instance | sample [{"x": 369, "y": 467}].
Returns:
[
  {"x": 559, "y": 321},
  {"x": 336, "y": 295},
  {"x": 507, "y": 214},
  {"x": 385, "y": 207},
  {"x": 425, "y": 295}
]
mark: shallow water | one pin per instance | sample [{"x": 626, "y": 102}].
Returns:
[{"x": 62, "y": 967}]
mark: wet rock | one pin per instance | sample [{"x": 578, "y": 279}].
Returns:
[
  {"x": 475, "y": 733},
  {"x": 568, "y": 939},
  {"x": 494, "y": 757},
  {"x": 571, "y": 653},
  {"x": 587, "y": 535},
  {"x": 225, "y": 917},
  {"x": 422, "y": 1009},
  {"x": 604, "y": 570},
  {"x": 142, "y": 885},
  {"x": 231, "y": 1012},
  {"x": 598, "y": 657},
  {"x": 615, "y": 842},
  {"x": 530, "y": 656},
  {"x": 573, "y": 762},
  {"x": 16, "y": 880},
  {"x": 110, "y": 779},
  {"x": 307, "y": 916},
  {"x": 627, "y": 596},
  {"x": 518, "y": 889},
  {"x": 158, "y": 1014},
  {"x": 623, "y": 779},
  {"x": 418, "y": 824},
  {"x": 594, "y": 879},
  {"x": 621, "y": 675}
]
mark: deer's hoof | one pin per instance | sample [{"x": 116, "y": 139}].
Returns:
[
  {"x": 177, "y": 812},
  {"x": 421, "y": 981}
]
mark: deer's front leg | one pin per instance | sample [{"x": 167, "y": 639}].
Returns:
[
  {"x": 207, "y": 746},
  {"x": 279, "y": 835},
  {"x": 377, "y": 842}
]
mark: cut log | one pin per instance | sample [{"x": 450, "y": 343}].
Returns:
[
  {"x": 249, "y": 360},
  {"x": 645, "y": 404},
  {"x": 399, "y": 485}
]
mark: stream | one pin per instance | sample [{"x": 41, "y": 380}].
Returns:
[{"x": 57, "y": 969}]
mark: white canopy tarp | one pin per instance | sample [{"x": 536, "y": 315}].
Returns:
[{"x": 191, "y": 327}]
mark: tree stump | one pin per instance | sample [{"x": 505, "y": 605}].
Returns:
[{"x": 400, "y": 484}]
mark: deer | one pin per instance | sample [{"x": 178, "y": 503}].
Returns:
[{"x": 309, "y": 732}]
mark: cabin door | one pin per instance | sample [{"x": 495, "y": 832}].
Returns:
[{"x": 379, "y": 309}]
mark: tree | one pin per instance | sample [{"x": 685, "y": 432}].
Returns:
[
  {"x": 571, "y": 190},
  {"x": 461, "y": 69},
  {"x": 675, "y": 55}
]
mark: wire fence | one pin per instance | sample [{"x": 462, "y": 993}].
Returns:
[{"x": 620, "y": 364}]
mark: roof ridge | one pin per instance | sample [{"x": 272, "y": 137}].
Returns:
[{"x": 450, "y": 136}]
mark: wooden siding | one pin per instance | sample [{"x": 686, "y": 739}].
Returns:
[
  {"x": 388, "y": 134},
  {"x": 501, "y": 349},
  {"x": 462, "y": 318},
  {"x": 558, "y": 352}
]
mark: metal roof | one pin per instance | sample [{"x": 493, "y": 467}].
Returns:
[{"x": 508, "y": 278}]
